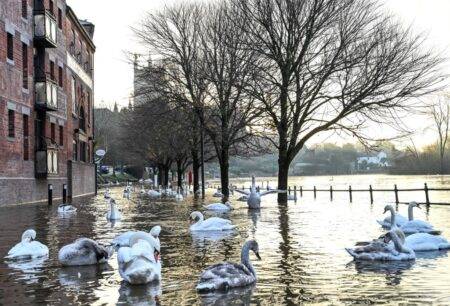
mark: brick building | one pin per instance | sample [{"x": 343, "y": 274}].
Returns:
[{"x": 46, "y": 101}]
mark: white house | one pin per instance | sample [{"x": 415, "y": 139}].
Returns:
[{"x": 379, "y": 160}]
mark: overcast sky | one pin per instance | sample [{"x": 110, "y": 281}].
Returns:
[{"x": 113, "y": 36}]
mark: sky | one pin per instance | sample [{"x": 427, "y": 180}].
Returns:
[{"x": 114, "y": 37}]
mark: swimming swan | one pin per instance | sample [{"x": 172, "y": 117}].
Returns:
[
  {"x": 227, "y": 275},
  {"x": 218, "y": 194},
  {"x": 417, "y": 226},
  {"x": 399, "y": 219},
  {"x": 254, "y": 197},
  {"x": 84, "y": 252},
  {"x": 211, "y": 224},
  {"x": 28, "y": 247},
  {"x": 219, "y": 206},
  {"x": 140, "y": 264},
  {"x": 113, "y": 212},
  {"x": 107, "y": 193},
  {"x": 124, "y": 239},
  {"x": 382, "y": 250},
  {"x": 66, "y": 209}
]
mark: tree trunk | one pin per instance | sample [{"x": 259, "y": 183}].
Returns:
[
  {"x": 160, "y": 176},
  {"x": 179, "y": 174},
  {"x": 195, "y": 171},
  {"x": 224, "y": 178},
  {"x": 166, "y": 176},
  {"x": 283, "y": 173}
]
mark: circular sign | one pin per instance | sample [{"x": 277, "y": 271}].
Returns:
[{"x": 100, "y": 152}]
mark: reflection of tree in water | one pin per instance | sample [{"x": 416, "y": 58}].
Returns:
[{"x": 236, "y": 296}]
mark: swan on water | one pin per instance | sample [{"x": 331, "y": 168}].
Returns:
[
  {"x": 211, "y": 224},
  {"x": 28, "y": 247},
  {"x": 422, "y": 242},
  {"x": 113, "y": 212},
  {"x": 66, "y": 209},
  {"x": 84, "y": 252},
  {"x": 140, "y": 264},
  {"x": 227, "y": 275},
  {"x": 179, "y": 195},
  {"x": 219, "y": 206},
  {"x": 124, "y": 239},
  {"x": 127, "y": 193},
  {"x": 254, "y": 197},
  {"x": 154, "y": 194},
  {"x": 217, "y": 194},
  {"x": 399, "y": 219},
  {"x": 417, "y": 226},
  {"x": 107, "y": 193},
  {"x": 382, "y": 250}
]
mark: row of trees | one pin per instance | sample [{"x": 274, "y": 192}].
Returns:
[{"x": 287, "y": 70}]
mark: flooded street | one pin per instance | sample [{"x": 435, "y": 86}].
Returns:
[{"x": 301, "y": 245}]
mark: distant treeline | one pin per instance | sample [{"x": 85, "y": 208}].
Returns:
[{"x": 331, "y": 159}]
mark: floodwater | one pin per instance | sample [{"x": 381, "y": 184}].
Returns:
[{"x": 301, "y": 245}]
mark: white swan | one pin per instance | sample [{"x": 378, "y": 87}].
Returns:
[
  {"x": 143, "y": 191},
  {"x": 227, "y": 275},
  {"x": 381, "y": 250},
  {"x": 218, "y": 194},
  {"x": 107, "y": 194},
  {"x": 124, "y": 239},
  {"x": 84, "y": 252},
  {"x": 28, "y": 247},
  {"x": 254, "y": 197},
  {"x": 422, "y": 242},
  {"x": 243, "y": 198},
  {"x": 66, "y": 209},
  {"x": 139, "y": 264},
  {"x": 399, "y": 219},
  {"x": 219, "y": 206},
  {"x": 179, "y": 195},
  {"x": 417, "y": 226},
  {"x": 154, "y": 194},
  {"x": 127, "y": 193},
  {"x": 211, "y": 224},
  {"x": 113, "y": 212}
]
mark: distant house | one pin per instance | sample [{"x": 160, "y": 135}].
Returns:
[{"x": 367, "y": 162}]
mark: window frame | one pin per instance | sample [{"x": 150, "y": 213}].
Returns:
[
  {"x": 10, "y": 46},
  {"x": 11, "y": 123}
]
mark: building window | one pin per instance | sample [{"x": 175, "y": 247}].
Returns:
[
  {"x": 52, "y": 162},
  {"x": 25, "y": 65},
  {"x": 89, "y": 108},
  {"x": 60, "y": 76},
  {"x": 74, "y": 150},
  {"x": 25, "y": 138},
  {"x": 82, "y": 120},
  {"x": 25, "y": 9},
  {"x": 52, "y": 70},
  {"x": 59, "y": 18},
  {"x": 82, "y": 151},
  {"x": 74, "y": 107},
  {"x": 11, "y": 130},
  {"x": 61, "y": 135},
  {"x": 10, "y": 46},
  {"x": 52, "y": 132}
]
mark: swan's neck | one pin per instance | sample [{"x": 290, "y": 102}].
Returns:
[
  {"x": 391, "y": 209},
  {"x": 410, "y": 213},
  {"x": 245, "y": 259},
  {"x": 200, "y": 218},
  {"x": 398, "y": 243}
]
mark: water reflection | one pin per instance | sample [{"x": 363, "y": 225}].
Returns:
[
  {"x": 29, "y": 270},
  {"x": 139, "y": 295},
  {"x": 237, "y": 296},
  {"x": 302, "y": 248}
]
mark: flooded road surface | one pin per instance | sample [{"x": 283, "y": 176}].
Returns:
[{"x": 301, "y": 245}]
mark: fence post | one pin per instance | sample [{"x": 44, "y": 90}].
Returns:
[
  {"x": 295, "y": 193},
  {"x": 64, "y": 193},
  {"x": 427, "y": 198},
  {"x": 331, "y": 193},
  {"x": 301, "y": 191},
  {"x": 371, "y": 194},
  {"x": 257, "y": 189},
  {"x": 396, "y": 194},
  {"x": 289, "y": 190},
  {"x": 350, "y": 193},
  {"x": 315, "y": 192},
  {"x": 50, "y": 194}
]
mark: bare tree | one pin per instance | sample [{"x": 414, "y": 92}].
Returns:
[
  {"x": 209, "y": 69},
  {"x": 440, "y": 112},
  {"x": 331, "y": 65}
]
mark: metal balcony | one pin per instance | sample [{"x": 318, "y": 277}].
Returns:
[
  {"x": 45, "y": 29},
  {"x": 46, "y": 94}
]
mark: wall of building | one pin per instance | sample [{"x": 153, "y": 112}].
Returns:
[{"x": 18, "y": 182}]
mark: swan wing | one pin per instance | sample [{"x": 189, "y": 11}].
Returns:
[
  {"x": 33, "y": 249},
  {"x": 242, "y": 192},
  {"x": 225, "y": 275},
  {"x": 272, "y": 191},
  {"x": 421, "y": 242}
]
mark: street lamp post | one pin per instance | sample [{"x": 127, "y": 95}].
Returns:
[{"x": 100, "y": 154}]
